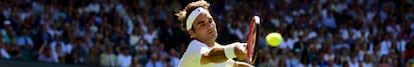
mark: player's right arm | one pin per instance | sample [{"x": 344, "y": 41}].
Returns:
[
  {"x": 241, "y": 64},
  {"x": 217, "y": 54}
]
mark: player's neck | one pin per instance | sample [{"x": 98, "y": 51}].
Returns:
[{"x": 209, "y": 44}]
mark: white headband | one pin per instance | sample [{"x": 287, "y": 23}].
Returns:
[{"x": 193, "y": 16}]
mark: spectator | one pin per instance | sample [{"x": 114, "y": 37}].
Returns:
[
  {"x": 312, "y": 53},
  {"x": 331, "y": 63},
  {"x": 329, "y": 55},
  {"x": 266, "y": 61},
  {"x": 163, "y": 52},
  {"x": 141, "y": 52},
  {"x": 385, "y": 45},
  {"x": 151, "y": 34},
  {"x": 108, "y": 58},
  {"x": 408, "y": 55},
  {"x": 24, "y": 40},
  {"x": 290, "y": 40},
  {"x": 167, "y": 63},
  {"x": 69, "y": 46},
  {"x": 42, "y": 36},
  {"x": 299, "y": 46},
  {"x": 4, "y": 54},
  {"x": 329, "y": 20},
  {"x": 136, "y": 36},
  {"x": 94, "y": 6},
  {"x": 395, "y": 63},
  {"x": 26, "y": 44},
  {"x": 393, "y": 47},
  {"x": 173, "y": 57},
  {"x": 135, "y": 63},
  {"x": 384, "y": 62},
  {"x": 234, "y": 28},
  {"x": 93, "y": 57},
  {"x": 314, "y": 63},
  {"x": 401, "y": 43},
  {"x": 363, "y": 51},
  {"x": 47, "y": 22},
  {"x": 107, "y": 41},
  {"x": 376, "y": 54},
  {"x": 97, "y": 45},
  {"x": 352, "y": 62},
  {"x": 282, "y": 62},
  {"x": 305, "y": 61},
  {"x": 124, "y": 58},
  {"x": 154, "y": 61},
  {"x": 73, "y": 58},
  {"x": 367, "y": 61},
  {"x": 337, "y": 62},
  {"x": 344, "y": 55},
  {"x": 322, "y": 62},
  {"x": 47, "y": 56},
  {"x": 345, "y": 64},
  {"x": 341, "y": 43},
  {"x": 7, "y": 32},
  {"x": 14, "y": 50},
  {"x": 291, "y": 60},
  {"x": 79, "y": 53},
  {"x": 56, "y": 41},
  {"x": 60, "y": 54},
  {"x": 275, "y": 57},
  {"x": 88, "y": 40}
]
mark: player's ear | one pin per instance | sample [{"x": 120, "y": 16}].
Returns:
[{"x": 191, "y": 33}]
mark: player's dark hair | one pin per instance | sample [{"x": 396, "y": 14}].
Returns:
[{"x": 183, "y": 14}]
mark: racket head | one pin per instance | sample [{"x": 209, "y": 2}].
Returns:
[{"x": 252, "y": 48}]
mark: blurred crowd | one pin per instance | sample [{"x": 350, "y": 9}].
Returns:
[
  {"x": 335, "y": 33},
  {"x": 91, "y": 32},
  {"x": 339, "y": 33}
]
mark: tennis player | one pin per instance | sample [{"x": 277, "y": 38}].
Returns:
[{"x": 203, "y": 51}]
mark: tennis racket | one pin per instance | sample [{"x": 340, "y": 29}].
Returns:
[{"x": 252, "y": 48}]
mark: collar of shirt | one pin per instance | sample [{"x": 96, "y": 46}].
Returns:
[{"x": 204, "y": 44}]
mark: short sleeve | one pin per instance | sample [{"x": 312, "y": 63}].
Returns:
[{"x": 192, "y": 56}]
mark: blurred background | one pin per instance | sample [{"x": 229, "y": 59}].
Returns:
[{"x": 145, "y": 33}]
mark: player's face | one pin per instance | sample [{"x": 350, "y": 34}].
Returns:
[{"x": 204, "y": 28}]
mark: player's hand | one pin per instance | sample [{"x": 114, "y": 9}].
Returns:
[{"x": 240, "y": 50}]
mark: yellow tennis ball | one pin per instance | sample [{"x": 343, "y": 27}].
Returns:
[{"x": 274, "y": 39}]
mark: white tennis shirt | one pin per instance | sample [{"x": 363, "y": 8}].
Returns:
[{"x": 192, "y": 56}]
